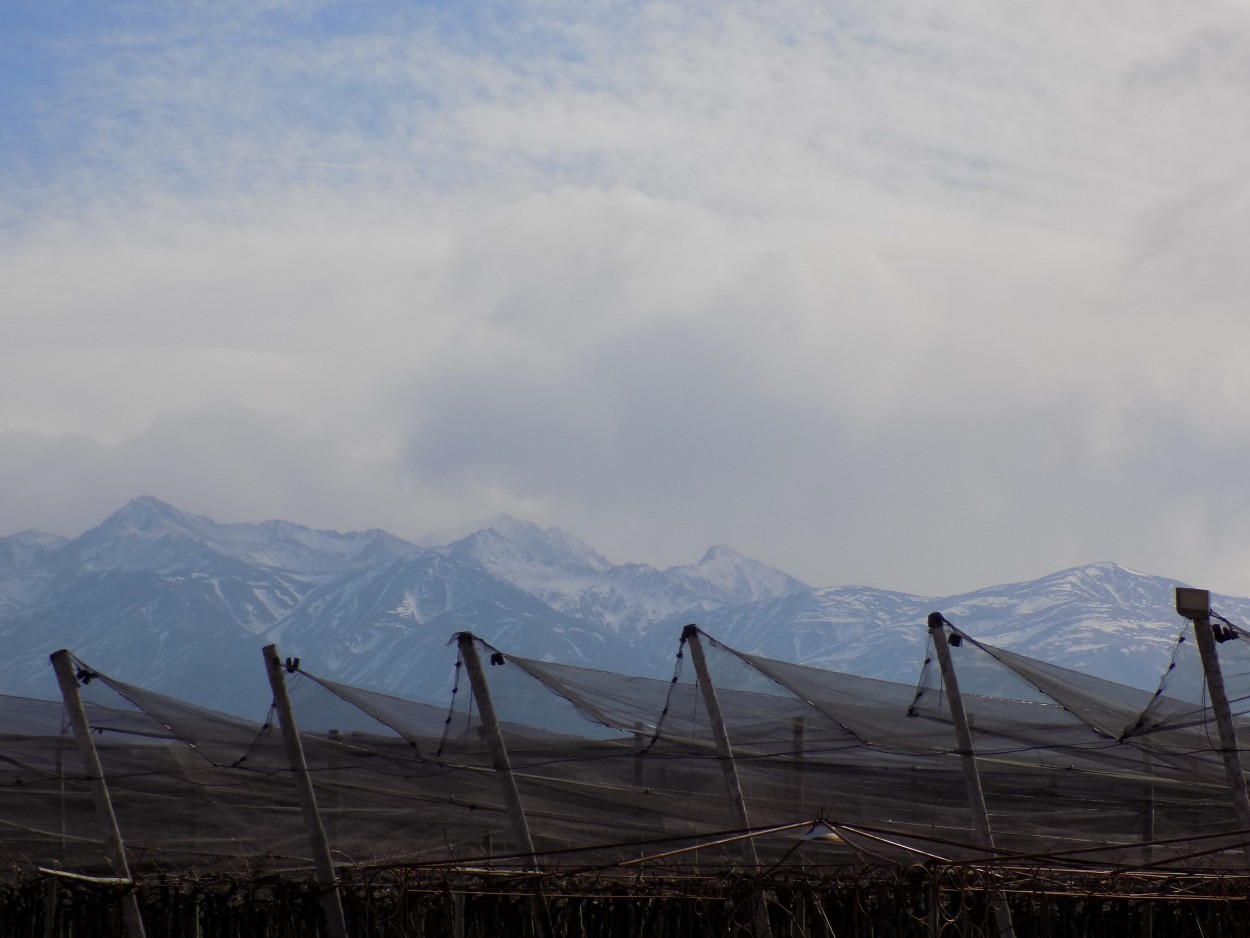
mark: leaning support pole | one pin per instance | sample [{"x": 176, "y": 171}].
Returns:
[
  {"x": 494, "y": 740},
  {"x": 1195, "y": 605},
  {"x": 68, "y": 680},
  {"x": 323, "y": 867},
  {"x": 467, "y": 645},
  {"x": 690, "y": 637},
  {"x": 982, "y": 834}
]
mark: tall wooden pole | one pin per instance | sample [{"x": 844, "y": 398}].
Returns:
[
  {"x": 494, "y": 740},
  {"x": 323, "y": 866},
  {"x": 690, "y": 635},
  {"x": 982, "y": 834},
  {"x": 963, "y": 735},
  {"x": 467, "y": 644},
  {"x": 1195, "y": 605},
  {"x": 724, "y": 751},
  {"x": 63, "y": 665}
]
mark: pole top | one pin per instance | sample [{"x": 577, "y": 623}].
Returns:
[
  {"x": 936, "y": 620},
  {"x": 1193, "y": 603}
]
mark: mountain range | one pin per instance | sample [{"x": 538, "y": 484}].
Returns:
[{"x": 181, "y": 604}]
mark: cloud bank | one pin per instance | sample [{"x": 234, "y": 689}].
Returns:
[{"x": 923, "y": 299}]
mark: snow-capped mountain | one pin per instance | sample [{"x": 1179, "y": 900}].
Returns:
[
  {"x": 1101, "y": 619},
  {"x": 24, "y": 568},
  {"x": 573, "y": 578},
  {"x": 149, "y": 534},
  {"x": 724, "y": 574},
  {"x": 182, "y": 604}
]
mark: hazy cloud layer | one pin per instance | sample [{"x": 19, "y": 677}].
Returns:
[{"x": 921, "y": 298}]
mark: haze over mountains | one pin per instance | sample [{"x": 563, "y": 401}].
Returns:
[{"x": 181, "y": 604}]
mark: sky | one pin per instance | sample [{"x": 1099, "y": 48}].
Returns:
[{"x": 927, "y": 297}]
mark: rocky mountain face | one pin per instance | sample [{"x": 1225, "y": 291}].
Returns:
[{"x": 181, "y": 604}]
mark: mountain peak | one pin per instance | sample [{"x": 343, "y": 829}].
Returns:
[
  {"x": 515, "y": 530},
  {"x": 205, "y": 590},
  {"x": 719, "y": 553},
  {"x": 722, "y": 570},
  {"x": 506, "y": 541},
  {"x": 146, "y": 514}
]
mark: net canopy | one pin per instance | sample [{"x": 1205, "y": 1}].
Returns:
[{"x": 617, "y": 772}]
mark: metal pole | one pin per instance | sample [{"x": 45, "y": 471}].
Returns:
[
  {"x": 63, "y": 665},
  {"x": 467, "y": 644},
  {"x": 982, "y": 834},
  {"x": 323, "y": 866},
  {"x": 690, "y": 636},
  {"x": 1195, "y": 605}
]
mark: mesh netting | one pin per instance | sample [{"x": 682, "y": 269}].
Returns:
[{"x": 617, "y": 772}]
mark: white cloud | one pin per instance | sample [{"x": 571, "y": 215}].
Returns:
[{"x": 922, "y": 298}]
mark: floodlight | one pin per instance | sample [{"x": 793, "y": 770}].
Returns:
[
  {"x": 822, "y": 831},
  {"x": 1193, "y": 603}
]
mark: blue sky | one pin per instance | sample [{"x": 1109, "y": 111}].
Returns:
[{"x": 923, "y": 298}]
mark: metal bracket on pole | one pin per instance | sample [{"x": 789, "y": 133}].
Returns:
[
  {"x": 1195, "y": 605},
  {"x": 67, "y": 678},
  {"x": 982, "y": 834},
  {"x": 323, "y": 866}
]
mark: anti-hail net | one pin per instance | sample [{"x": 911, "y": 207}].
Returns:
[{"x": 616, "y": 772}]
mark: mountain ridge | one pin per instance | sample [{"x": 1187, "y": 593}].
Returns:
[{"x": 180, "y": 603}]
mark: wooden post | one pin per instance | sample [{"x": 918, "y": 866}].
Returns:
[
  {"x": 1195, "y": 605},
  {"x": 63, "y": 665},
  {"x": 724, "y": 751},
  {"x": 467, "y": 644},
  {"x": 323, "y": 866},
  {"x": 456, "y": 912},
  {"x": 690, "y": 635},
  {"x": 640, "y": 747},
  {"x": 934, "y": 918},
  {"x": 494, "y": 739},
  {"x": 49, "y": 909},
  {"x": 982, "y": 835},
  {"x": 798, "y": 768},
  {"x": 963, "y": 735},
  {"x": 1148, "y": 813}
]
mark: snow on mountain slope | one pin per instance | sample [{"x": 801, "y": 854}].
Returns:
[
  {"x": 187, "y": 552},
  {"x": 388, "y": 626},
  {"x": 832, "y": 628},
  {"x": 27, "y": 549},
  {"x": 172, "y": 635},
  {"x": 726, "y": 576},
  {"x": 573, "y": 578},
  {"x": 147, "y": 533},
  {"x": 544, "y": 563},
  {"x": 182, "y": 604},
  {"x": 1100, "y": 619},
  {"x": 24, "y": 569}
]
